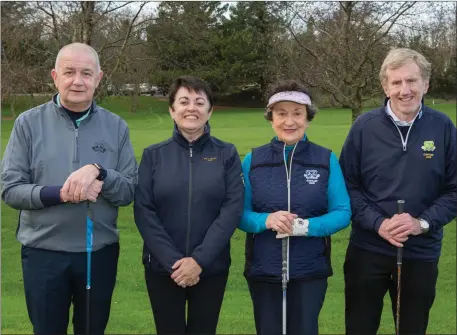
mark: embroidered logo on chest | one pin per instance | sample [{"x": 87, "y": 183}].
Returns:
[
  {"x": 99, "y": 147},
  {"x": 428, "y": 148},
  {"x": 311, "y": 176}
]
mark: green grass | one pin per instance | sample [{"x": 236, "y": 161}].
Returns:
[{"x": 246, "y": 128}]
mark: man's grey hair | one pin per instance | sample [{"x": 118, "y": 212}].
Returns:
[
  {"x": 396, "y": 58},
  {"x": 79, "y": 46}
]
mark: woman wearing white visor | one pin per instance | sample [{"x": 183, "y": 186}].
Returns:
[{"x": 295, "y": 198}]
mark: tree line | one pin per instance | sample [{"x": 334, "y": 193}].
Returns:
[{"x": 336, "y": 48}]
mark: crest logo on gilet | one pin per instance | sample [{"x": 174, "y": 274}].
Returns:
[{"x": 312, "y": 177}]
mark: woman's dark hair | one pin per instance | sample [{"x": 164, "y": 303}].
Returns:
[
  {"x": 193, "y": 84},
  {"x": 289, "y": 85}
]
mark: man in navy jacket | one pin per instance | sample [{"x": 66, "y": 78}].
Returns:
[{"x": 403, "y": 150}]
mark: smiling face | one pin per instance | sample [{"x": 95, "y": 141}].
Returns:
[
  {"x": 405, "y": 87},
  {"x": 289, "y": 121},
  {"x": 190, "y": 110},
  {"x": 76, "y": 77}
]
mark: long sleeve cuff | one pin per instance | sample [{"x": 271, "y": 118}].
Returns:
[
  {"x": 50, "y": 195},
  {"x": 378, "y": 223}
]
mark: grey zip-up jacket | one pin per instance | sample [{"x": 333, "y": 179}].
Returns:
[{"x": 43, "y": 150}]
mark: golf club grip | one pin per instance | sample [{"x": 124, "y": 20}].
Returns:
[
  {"x": 90, "y": 214},
  {"x": 400, "y": 210},
  {"x": 284, "y": 255},
  {"x": 400, "y": 206},
  {"x": 399, "y": 255},
  {"x": 284, "y": 263}
]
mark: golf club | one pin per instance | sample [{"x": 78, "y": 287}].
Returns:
[
  {"x": 285, "y": 268},
  {"x": 400, "y": 210},
  {"x": 285, "y": 246},
  {"x": 89, "y": 237}
]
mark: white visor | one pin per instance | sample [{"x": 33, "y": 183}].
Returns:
[{"x": 294, "y": 96}]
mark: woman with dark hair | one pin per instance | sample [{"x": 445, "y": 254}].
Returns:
[
  {"x": 188, "y": 202},
  {"x": 294, "y": 189}
]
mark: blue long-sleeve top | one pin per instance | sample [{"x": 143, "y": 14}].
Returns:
[{"x": 339, "y": 208}]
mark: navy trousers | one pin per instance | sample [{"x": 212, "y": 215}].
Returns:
[
  {"x": 304, "y": 303},
  {"x": 368, "y": 276},
  {"x": 168, "y": 302},
  {"x": 53, "y": 280}
]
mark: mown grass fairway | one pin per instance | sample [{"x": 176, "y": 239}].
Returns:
[{"x": 246, "y": 128}]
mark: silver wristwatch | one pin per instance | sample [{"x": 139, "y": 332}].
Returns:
[{"x": 425, "y": 226}]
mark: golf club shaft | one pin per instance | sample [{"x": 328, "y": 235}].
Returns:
[
  {"x": 400, "y": 210},
  {"x": 284, "y": 312},
  {"x": 284, "y": 285},
  {"x": 285, "y": 245},
  {"x": 87, "y": 312},
  {"x": 89, "y": 237}
]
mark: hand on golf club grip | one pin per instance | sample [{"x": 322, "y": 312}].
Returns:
[
  {"x": 92, "y": 192},
  {"x": 281, "y": 222},
  {"x": 402, "y": 225},
  {"x": 385, "y": 234},
  {"x": 186, "y": 270},
  {"x": 78, "y": 183}
]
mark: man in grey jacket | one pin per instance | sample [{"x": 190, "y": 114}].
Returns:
[{"x": 62, "y": 159}]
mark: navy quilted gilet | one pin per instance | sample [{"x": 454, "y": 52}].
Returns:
[{"x": 309, "y": 256}]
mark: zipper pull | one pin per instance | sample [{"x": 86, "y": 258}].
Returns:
[{"x": 190, "y": 150}]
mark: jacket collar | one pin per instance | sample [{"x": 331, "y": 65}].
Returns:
[
  {"x": 198, "y": 143},
  {"x": 60, "y": 109},
  {"x": 278, "y": 145},
  {"x": 387, "y": 111}
]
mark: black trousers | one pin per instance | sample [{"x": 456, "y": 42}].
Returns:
[
  {"x": 304, "y": 303},
  {"x": 368, "y": 276},
  {"x": 168, "y": 302},
  {"x": 53, "y": 280}
]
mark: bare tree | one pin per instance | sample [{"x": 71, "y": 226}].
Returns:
[
  {"x": 112, "y": 28},
  {"x": 75, "y": 21},
  {"x": 128, "y": 30},
  {"x": 338, "y": 47},
  {"x": 24, "y": 55},
  {"x": 436, "y": 39}
]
